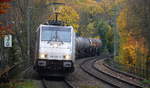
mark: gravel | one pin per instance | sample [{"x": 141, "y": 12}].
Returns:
[{"x": 81, "y": 79}]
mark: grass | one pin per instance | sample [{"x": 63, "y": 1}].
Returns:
[
  {"x": 87, "y": 86},
  {"x": 19, "y": 84},
  {"x": 146, "y": 82}
]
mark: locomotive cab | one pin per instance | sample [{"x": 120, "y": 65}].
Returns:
[{"x": 55, "y": 50}]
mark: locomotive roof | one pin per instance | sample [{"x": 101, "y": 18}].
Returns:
[{"x": 54, "y": 26}]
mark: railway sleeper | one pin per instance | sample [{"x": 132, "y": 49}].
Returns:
[{"x": 4, "y": 78}]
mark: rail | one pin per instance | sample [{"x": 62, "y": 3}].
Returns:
[
  {"x": 4, "y": 73},
  {"x": 94, "y": 75},
  {"x": 46, "y": 83},
  {"x": 88, "y": 66},
  {"x": 119, "y": 79}
]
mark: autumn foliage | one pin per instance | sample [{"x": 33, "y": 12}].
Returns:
[
  {"x": 68, "y": 15},
  {"x": 4, "y": 6},
  {"x": 133, "y": 25}
]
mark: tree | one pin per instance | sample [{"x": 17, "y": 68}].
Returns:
[
  {"x": 133, "y": 23},
  {"x": 106, "y": 34},
  {"x": 68, "y": 15},
  {"x": 4, "y": 29},
  {"x": 26, "y": 14}
]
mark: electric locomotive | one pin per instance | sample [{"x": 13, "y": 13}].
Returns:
[{"x": 55, "y": 49}]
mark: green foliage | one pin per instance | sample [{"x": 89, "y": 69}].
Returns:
[
  {"x": 86, "y": 86},
  {"x": 82, "y": 0},
  {"x": 89, "y": 12},
  {"x": 106, "y": 33},
  {"x": 26, "y": 84},
  {"x": 146, "y": 82}
]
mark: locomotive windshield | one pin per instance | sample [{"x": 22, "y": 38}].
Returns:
[{"x": 61, "y": 34}]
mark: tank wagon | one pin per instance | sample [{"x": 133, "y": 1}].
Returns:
[{"x": 86, "y": 47}]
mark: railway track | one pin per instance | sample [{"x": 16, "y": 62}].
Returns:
[
  {"x": 88, "y": 67},
  {"x": 46, "y": 83},
  {"x": 7, "y": 73}
]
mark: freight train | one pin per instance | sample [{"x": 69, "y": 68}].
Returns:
[{"x": 57, "y": 47}]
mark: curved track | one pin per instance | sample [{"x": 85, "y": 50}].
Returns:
[{"x": 88, "y": 66}]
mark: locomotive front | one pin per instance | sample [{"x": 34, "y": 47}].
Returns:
[{"x": 55, "y": 50}]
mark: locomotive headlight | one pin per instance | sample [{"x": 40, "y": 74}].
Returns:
[
  {"x": 42, "y": 56},
  {"x": 55, "y": 45},
  {"x": 67, "y": 57}
]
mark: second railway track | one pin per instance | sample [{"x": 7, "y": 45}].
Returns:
[{"x": 88, "y": 67}]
